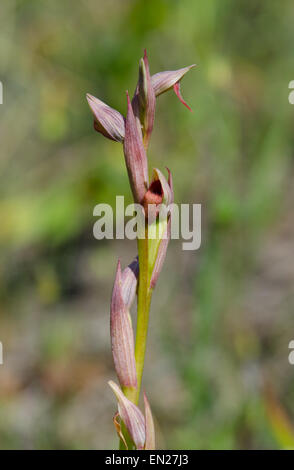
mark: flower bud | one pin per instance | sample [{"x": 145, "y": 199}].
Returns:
[
  {"x": 121, "y": 331},
  {"x": 164, "y": 81},
  {"x": 135, "y": 156},
  {"x": 144, "y": 100},
  {"x": 131, "y": 416},
  {"x": 129, "y": 279},
  {"x": 107, "y": 120}
]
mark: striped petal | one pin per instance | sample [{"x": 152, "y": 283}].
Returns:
[
  {"x": 107, "y": 120},
  {"x": 164, "y": 81},
  {"x": 131, "y": 416},
  {"x": 122, "y": 337}
]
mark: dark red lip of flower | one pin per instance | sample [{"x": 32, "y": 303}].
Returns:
[
  {"x": 155, "y": 192},
  {"x": 154, "y": 195},
  {"x": 160, "y": 191}
]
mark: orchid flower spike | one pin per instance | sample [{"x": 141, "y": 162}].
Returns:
[{"x": 155, "y": 199}]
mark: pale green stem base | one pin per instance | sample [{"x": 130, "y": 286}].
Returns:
[{"x": 144, "y": 300}]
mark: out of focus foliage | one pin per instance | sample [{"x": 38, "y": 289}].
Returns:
[{"x": 217, "y": 370}]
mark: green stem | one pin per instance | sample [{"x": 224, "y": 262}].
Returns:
[{"x": 144, "y": 300}]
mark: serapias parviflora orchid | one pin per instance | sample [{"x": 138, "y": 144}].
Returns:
[{"x": 135, "y": 430}]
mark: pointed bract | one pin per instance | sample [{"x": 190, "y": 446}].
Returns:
[
  {"x": 122, "y": 337},
  {"x": 149, "y": 426},
  {"x": 135, "y": 156},
  {"x": 131, "y": 416},
  {"x": 107, "y": 120},
  {"x": 144, "y": 101}
]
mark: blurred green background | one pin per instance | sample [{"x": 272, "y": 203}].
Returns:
[{"x": 217, "y": 372}]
